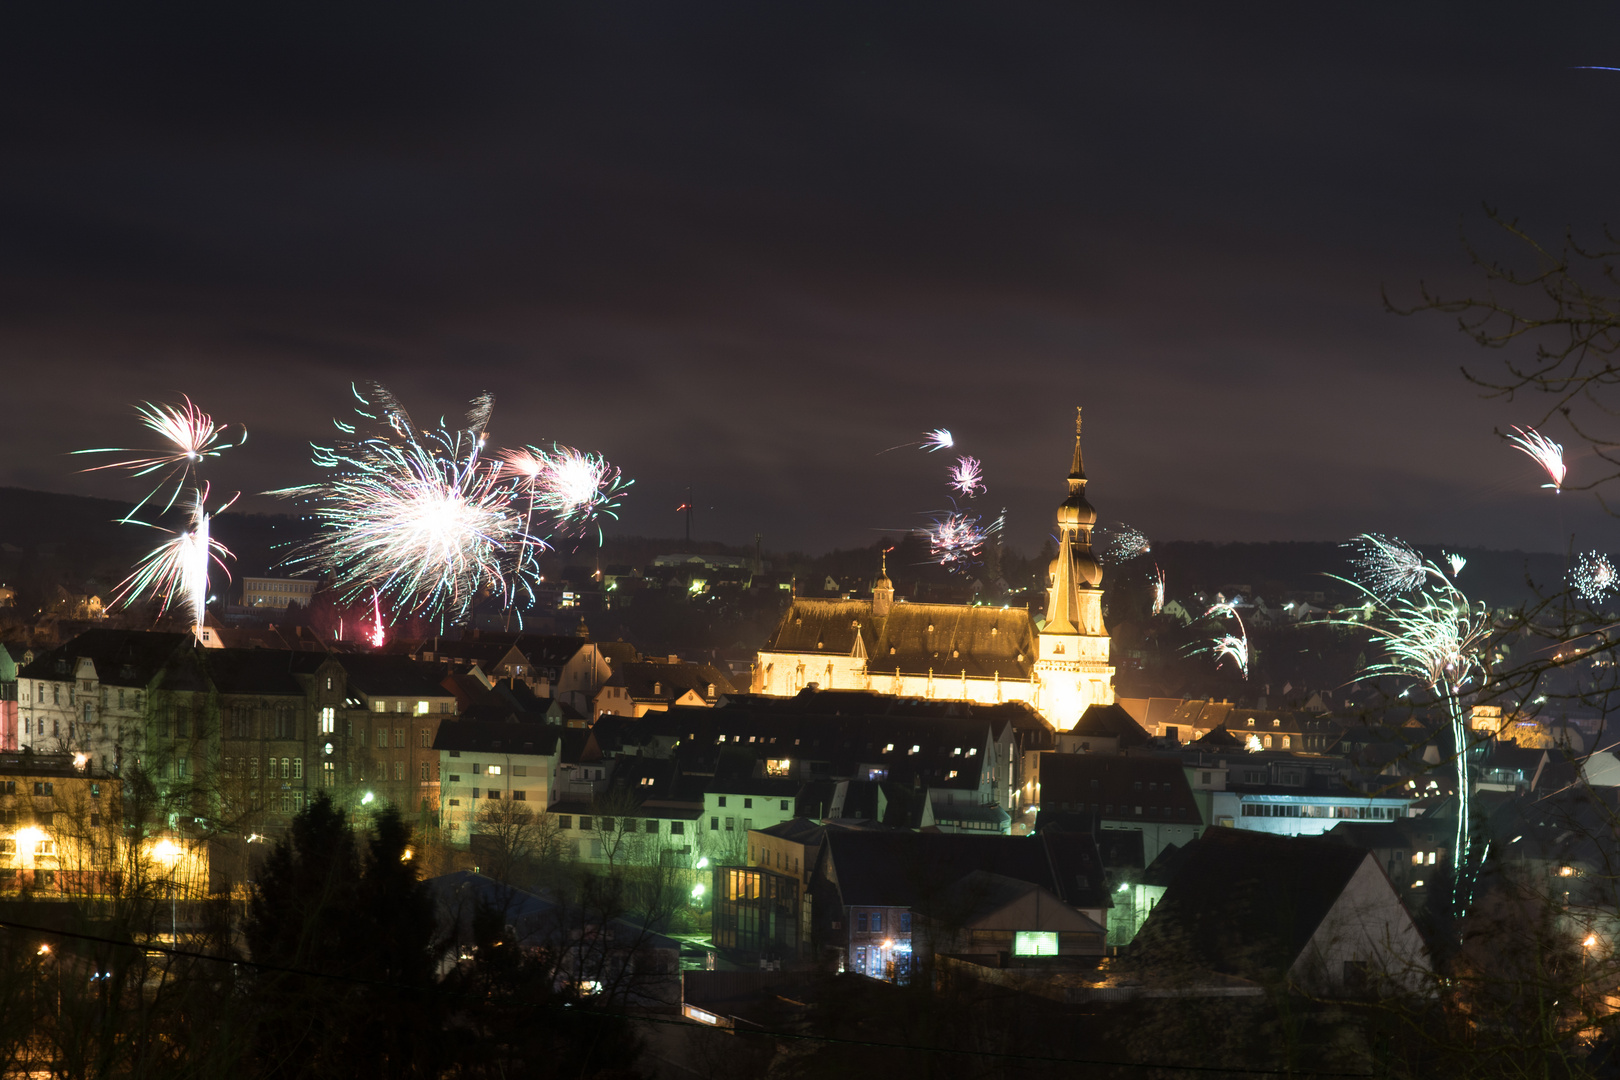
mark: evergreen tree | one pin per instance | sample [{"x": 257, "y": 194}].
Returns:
[{"x": 357, "y": 927}]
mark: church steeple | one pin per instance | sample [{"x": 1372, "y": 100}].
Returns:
[
  {"x": 882, "y": 590},
  {"x": 1073, "y": 670},
  {"x": 1074, "y": 568}
]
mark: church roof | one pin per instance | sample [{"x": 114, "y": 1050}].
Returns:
[{"x": 947, "y": 639}]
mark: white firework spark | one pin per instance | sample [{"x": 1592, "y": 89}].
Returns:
[
  {"x": 938, "y": 439},
  {"x": 1158, "y": 590},
  {"x": 1456, "y": 562},
  {"x": 1594, "y": 577},
  {"x": 1546, "y": 453},
  {"x": 1119, "y": 544},
  {"x": 1387, "y": 566},
  {"x": 967, "y": 477}
]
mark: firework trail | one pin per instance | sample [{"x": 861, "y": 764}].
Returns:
[
  {"x": 967, "y": 477},
  {"x": 937, "y": 439},
  {"x": 379, "y": 636},
  {"x": 956, "y": 540},
  {"x": 1456, "y": 562},
  {"x": 1158, "y": 590},
  {"x": 1120, "y": 544},
  {"x": 179, "y": 566},
  {"x": 1387, "y": 566},
  {"x": 1546, "y": 453},
  {"x": 1594, "y": 577},
  {"x": 1438, "y": 636},
  {"x": 189, "y": 435}
]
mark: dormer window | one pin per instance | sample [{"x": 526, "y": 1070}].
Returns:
[
  {"x": 1276, "y": 723},
  {"x": 1251, "y": 721},
  {"x": 658, "y": 688}
]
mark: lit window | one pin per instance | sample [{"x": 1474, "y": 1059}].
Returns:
[
  {"x": 328, "y": 719},
  {"x": 494, "y": 770},
  {"x": 1035, "y": 943}
]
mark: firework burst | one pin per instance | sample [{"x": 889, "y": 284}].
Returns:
[
  {"x": 424, "y": 520},
  {"x": 1227, "y": 646},
  {"x": 189, "y": 437},
  {"x": 967, "y": 477},
  {"x": 1234, "y": 648},
  {"x": 1118, "y": 544},
  {"x": 1387, "y": 566},
  {"x": 956, "y": 540},
  {"x": 1456, "y": 562},
  {"x": 578, "y": 489},
  {"x": 418, "y": 518},
  {"x": 1158, "y": 590},
  {"x": 1594, "y": 577},
  {"x": 1439, "y": 637},
  {"x": 1546, "y": 453}
]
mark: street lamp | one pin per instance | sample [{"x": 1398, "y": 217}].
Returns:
[{"x": 168, "y": 852}]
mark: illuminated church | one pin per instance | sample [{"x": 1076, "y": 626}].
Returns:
[{"x": 955, "y": 652}]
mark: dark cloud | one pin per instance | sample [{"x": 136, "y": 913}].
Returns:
[{"x": 746, "y": 246}]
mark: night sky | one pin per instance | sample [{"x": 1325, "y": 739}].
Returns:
[{"x": 748, "y": 246}]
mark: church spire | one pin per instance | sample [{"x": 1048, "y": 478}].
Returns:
[
  {"x": 1074, "y": 568},
  {"x": 1077, "y": 471},
  {"x": 882, "y": 589}
]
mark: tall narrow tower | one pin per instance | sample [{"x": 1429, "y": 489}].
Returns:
[{"x": 1072, "y": 672}]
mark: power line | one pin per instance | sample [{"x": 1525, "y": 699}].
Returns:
[{"x": 576, "y": 1009}]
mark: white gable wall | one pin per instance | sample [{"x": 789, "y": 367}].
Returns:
[{"x": 1367, "y": 925}]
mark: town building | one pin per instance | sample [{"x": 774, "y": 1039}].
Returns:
[
  {"x": 643, "y": 686},
  {"x": 944, "y": 652},
  {"x": 277, "y": 594},
  {"x": 868, "y": 885},
  {"x": 245, "y": 735},
  {"x": 1274, "y": 910},
  {"x": 487, "y": 764},
  {"x": 59, "y": 820},
  {"x": 1119, "y": 792}
]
